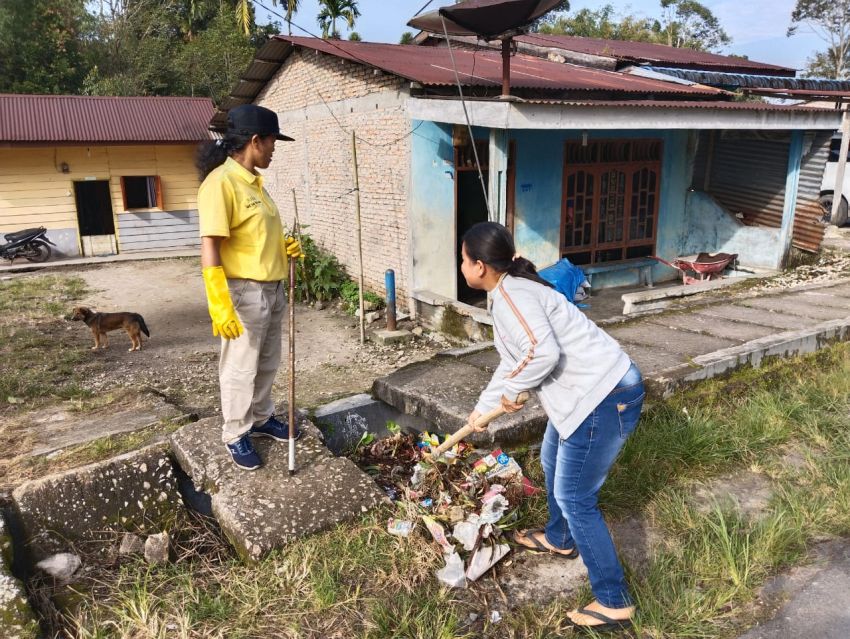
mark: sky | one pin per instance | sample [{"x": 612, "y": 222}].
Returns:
[{"x": 757, "y": 27}]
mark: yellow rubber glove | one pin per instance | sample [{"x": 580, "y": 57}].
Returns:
[
  {"x": 292, "y": 247},
  {"x": 225, "y": 321}
]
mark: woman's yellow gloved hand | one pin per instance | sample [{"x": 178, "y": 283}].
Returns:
[
  {"x": 292, "y": 247},
  {"x": 225, "y": 321}
]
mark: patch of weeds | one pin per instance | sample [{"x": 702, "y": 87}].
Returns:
[
  {"x": 325, "y": 275},
  {"x": 350, "y": 294},
  {"x": 717, "y": 425},
  {"x": 710, "y": 567},
  {"x": 41, "y": 359}
]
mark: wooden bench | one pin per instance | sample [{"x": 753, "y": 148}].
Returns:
[{"x": 643, "y": 265}]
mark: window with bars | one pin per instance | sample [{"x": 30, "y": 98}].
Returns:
[{"x": 610, "y": 200}]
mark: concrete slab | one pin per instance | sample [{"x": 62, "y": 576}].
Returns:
[
  {"x": 486, "y": 360},
  {"x": 822, "y": 297},
  {"x": 264, "y": 510},
  {"x": 651, "y": 359},
  {"x": 673, "y": 341},
  {"x": 811, "y": 601},
  {"x": 386, "y": 337},
  {"x": 466, "y": 350},
  {"x": 17, "y": 620},
  {"x": 701, "y": 323},
  {"x": 784, "y": 344},
  {"x": 751, "y": 315},
  {"x": 57, "y": 427},
  {"x": 444, "y": 391},
  {"x": 788, "y": 306},
  {"x": 135, "y": 492}
]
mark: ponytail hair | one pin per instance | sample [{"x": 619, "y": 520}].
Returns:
[
  {"x": 212, "y": 154},
  {"x": 492, "y": 244}
]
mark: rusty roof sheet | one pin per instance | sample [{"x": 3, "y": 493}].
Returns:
[
  {"x": 648, "y": 53},
  {"x": 75, "y": 119},
  {"x": 433, "y": 66}
]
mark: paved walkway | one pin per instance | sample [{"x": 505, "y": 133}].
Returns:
[
  {"x": 671, "y": 349},
  {"x": 22, "y": 266}
]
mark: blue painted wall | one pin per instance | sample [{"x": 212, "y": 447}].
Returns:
[
  {"x": 687, "y": 223},
  {"x": 539, "y": 187},
  {"x": 431, "y": 207}
]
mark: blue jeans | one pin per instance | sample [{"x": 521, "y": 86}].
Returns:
[{"x": 575, "y": 470}]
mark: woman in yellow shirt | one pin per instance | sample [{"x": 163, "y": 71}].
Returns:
[{"x": 244, "y": 254}]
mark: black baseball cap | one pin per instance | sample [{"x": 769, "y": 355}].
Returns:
[{"x": 250, "y": 119}]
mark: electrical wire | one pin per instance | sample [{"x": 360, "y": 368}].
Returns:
[{"x": 468, "y": 123}]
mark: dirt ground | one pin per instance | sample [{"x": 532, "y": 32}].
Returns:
[{"x": 181, "y": 358}]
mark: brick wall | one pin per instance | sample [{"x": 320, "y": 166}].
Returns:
[{"x": 318, "y": 165}]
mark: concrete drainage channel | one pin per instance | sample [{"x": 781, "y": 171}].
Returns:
[{"x": 57, "y": 529}]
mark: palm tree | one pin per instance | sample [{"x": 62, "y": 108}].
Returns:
[
  {"x": 243, "y": 13},
  {"x": 333, "y": 10}
]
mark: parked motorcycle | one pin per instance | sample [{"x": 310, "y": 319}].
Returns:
[{"x": 31, "y": 244}]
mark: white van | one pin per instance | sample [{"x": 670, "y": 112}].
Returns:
[{"x": 827, "y": 186}]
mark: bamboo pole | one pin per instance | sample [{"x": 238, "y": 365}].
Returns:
[
  {"x": 298, "y": 237},
  {"x": 359, "y": 236}
]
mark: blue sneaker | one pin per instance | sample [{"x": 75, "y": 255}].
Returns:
[
  {"x": 274, "y": 429},
  {"x": 243, "y": 454}
]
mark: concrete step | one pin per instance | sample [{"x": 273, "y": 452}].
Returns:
[
  {"x": 266, "y": 509},
  {"x": 443, "y": 391}
]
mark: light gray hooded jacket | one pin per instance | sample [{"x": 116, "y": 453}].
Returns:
[{"x": 548, "y": 345}]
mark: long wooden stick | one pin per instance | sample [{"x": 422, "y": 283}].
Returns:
[
  {"x": 297, "y": 230},
  {"x": 292, "y": 261},
  {"x": 359, "y": 235},
  {"x": 467, "y": 430}
]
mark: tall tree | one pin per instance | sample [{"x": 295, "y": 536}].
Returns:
[
  {"x": 41, "y": 45},
  {"x": 603, "y": 23},
  {"x": 333, "y": 10},
  {"x": 406, "y": 38},
  {"x": 212, "y": 62},
  {"x": 830, "y": 21},
  {"x": 689, "y": 24}
]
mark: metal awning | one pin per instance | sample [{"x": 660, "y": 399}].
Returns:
[{"x": 624, "y": 115}]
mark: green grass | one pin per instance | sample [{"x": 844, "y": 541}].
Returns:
[
  {"x": 701, "y": 579},
  {"x": 40, "y": 358}
]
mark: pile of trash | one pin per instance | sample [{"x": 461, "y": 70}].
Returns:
[{"x": 465, "y": 499}]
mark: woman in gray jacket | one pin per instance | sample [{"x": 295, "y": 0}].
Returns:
[{"x": 592, "y": 394}]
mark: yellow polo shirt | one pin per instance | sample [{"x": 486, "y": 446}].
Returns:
[{"x": 233, "y": 204}]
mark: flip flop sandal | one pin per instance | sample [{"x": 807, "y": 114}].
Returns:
[
  {"x": 607, "y": 624},
  {"x": 539, "y": 547}
]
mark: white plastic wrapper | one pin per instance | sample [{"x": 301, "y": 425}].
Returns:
[
  {"x": 485, "y": 558},
  {"x": 494, "y": 510},
  {"x": 466, "y": 532},
  {"x": 452, "y": 574}
]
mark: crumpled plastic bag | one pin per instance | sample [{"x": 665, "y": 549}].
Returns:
[
  {"x": 466, "y": 532},
  {"x": 493, "y": 510},
  {"x": 485, "y": 558},
  {"x": 452, "y": 574}
]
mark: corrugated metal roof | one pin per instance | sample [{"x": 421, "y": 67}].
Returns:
[
  {"x": 433, "y": 66},
  {"x": 75, "y": 119},
  {"x": 647, "y": 53}
]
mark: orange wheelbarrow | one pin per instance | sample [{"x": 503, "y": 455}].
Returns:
[{"x": 706, "y": 265}]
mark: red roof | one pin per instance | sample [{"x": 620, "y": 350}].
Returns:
[
  {"x": 657, "y": 54},
  {"x": 74, "y": 119},
  {"x": 433, "y": 66}
]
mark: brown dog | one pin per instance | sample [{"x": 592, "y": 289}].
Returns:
[{"x": 100, "y": 323}]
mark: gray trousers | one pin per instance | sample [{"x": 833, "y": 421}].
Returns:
[{"x": 248, "y": 364}]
